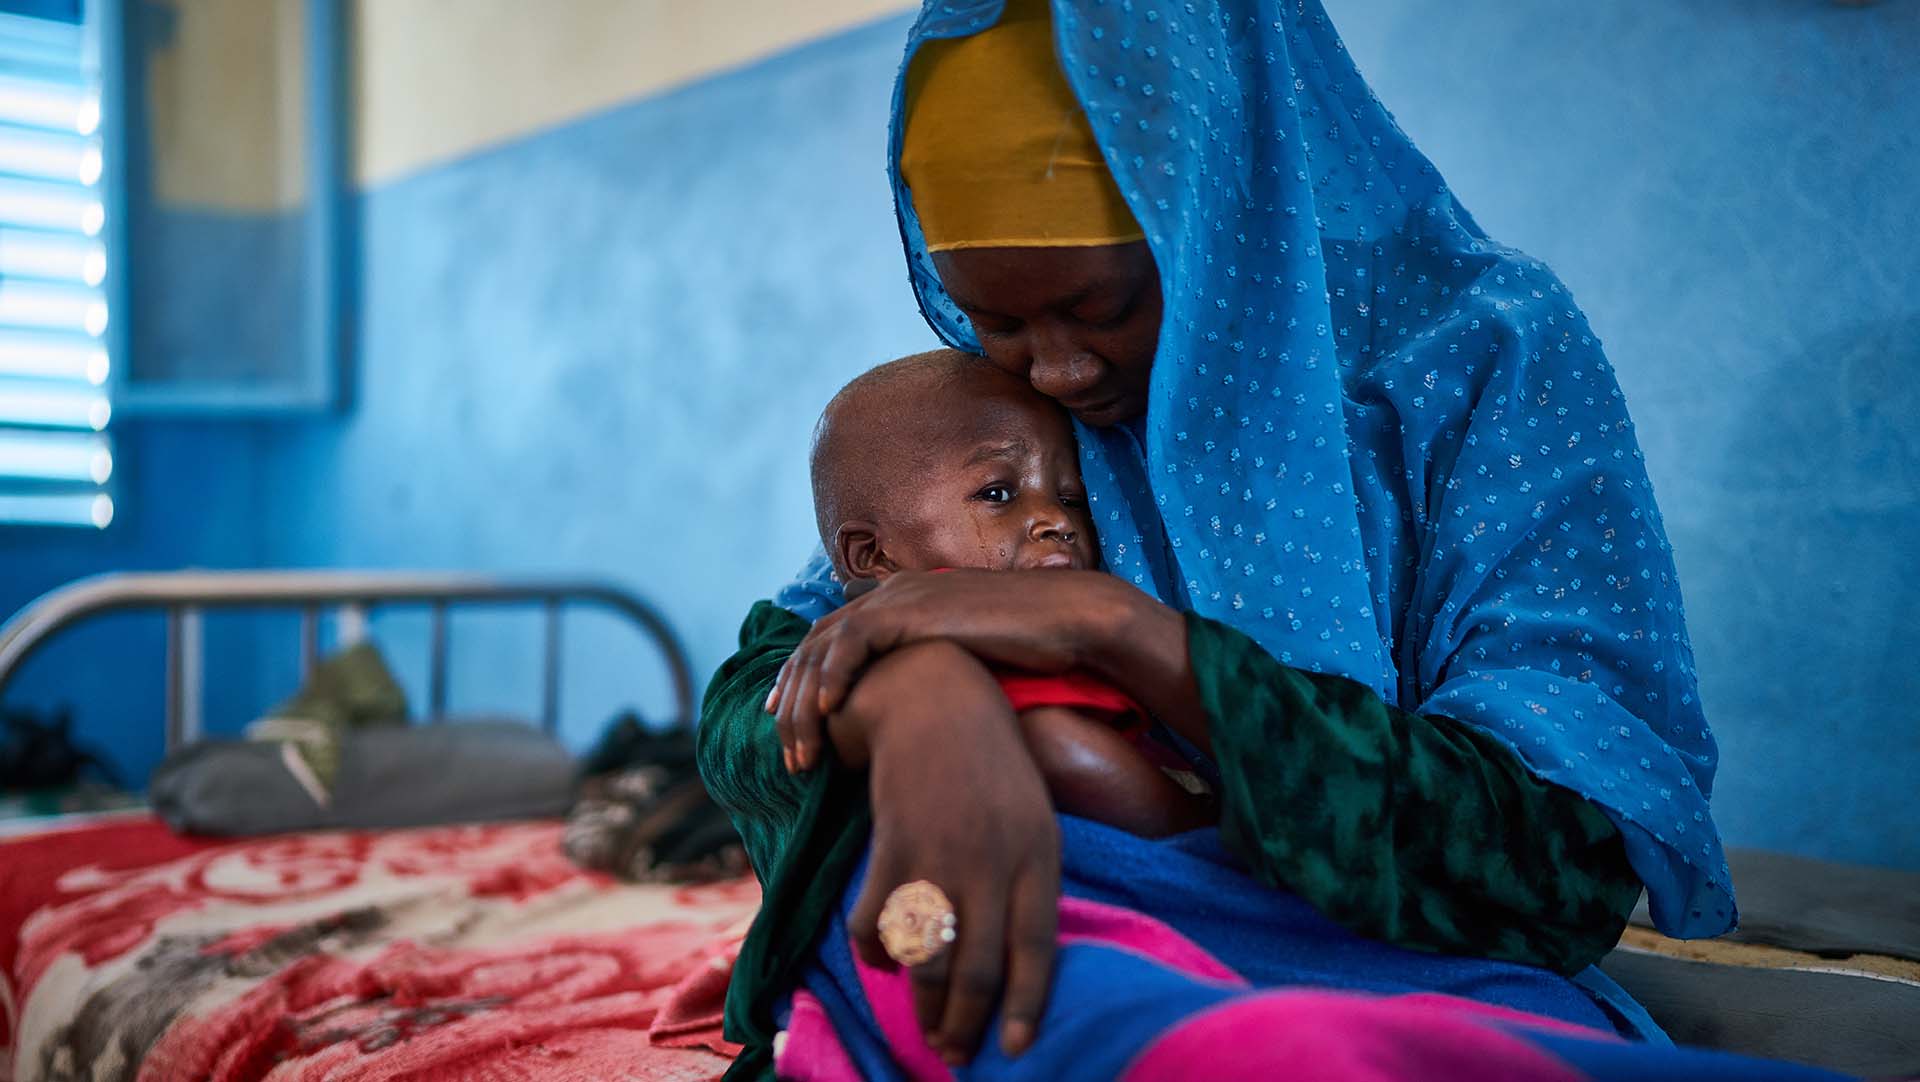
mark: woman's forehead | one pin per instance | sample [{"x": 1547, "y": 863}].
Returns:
[{"x": 1001, "y": 278}]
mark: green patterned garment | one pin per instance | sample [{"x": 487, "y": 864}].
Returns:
[
  {"x": 803, "y": 834},
  {"x": 1414, "y": 830}
]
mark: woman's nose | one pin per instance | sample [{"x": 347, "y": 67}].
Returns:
[{"x": 1059, "y": 367}]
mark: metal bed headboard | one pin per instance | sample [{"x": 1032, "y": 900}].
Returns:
[{"x": 185, "y": 595}]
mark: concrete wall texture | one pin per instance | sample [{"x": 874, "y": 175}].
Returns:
[{"x": 598, "y": 348}]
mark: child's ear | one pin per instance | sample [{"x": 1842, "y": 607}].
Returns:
[{"x": 858, "y": 546}]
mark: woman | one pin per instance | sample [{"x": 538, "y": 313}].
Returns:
[{"x": 1382, "y": 551}]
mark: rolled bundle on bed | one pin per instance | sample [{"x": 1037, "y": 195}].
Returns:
[{"x": 471, "y": 771}]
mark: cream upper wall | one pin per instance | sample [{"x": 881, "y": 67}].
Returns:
[
  {"x": 225, "y": 96},
  {"x": 430, "y": 79},
  {"x": 434, "y": 79}
]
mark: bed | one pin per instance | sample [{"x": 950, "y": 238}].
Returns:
[
  {"x": 1824, "y": 968},
  {"x": 450, "y": 952},
  {"x": 480, "y": 951}
]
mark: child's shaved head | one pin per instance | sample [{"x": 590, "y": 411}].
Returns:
[
  {"x": 908, "y": 450},
  {"x": 879, "y": 431}
]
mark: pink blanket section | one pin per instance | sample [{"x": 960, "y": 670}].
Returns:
[{"x": 1307, "y": 1034}]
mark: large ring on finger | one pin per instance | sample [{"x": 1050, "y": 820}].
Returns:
[{"x": 917, "y": 923}]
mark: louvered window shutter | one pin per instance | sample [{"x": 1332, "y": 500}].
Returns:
[{"x": 55, "y": 457}]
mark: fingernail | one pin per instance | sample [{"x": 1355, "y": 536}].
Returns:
[
  {"x": 803, "y": 753},
  {"x": 1016, "y": 1037},
  {"x": 771, "y": 696},
  {"x": 786, "y": 759}
]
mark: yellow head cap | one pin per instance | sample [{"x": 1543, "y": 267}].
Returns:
[{"x": 997, "y": 151}]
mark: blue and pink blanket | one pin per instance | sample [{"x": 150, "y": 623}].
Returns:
[{"x": 1174, "y": 964}]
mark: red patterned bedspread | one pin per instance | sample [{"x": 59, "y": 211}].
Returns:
[{"x": 476, "y": 952}]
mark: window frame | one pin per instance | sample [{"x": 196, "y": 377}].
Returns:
[{"x": 320, "y": 383}]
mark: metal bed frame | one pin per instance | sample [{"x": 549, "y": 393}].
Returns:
[{"x": 185, "y": 595}]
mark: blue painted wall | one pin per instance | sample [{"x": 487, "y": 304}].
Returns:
[
  {"x": 600, "y": 349},
  {"x": 188, "y": 496}
]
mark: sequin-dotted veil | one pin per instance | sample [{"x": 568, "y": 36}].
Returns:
[{"x": 1378, "y": 443}]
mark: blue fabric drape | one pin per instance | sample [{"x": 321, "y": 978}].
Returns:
[
  {"x": 1377, "y": 442},
  {"x": 1108, "y": 1002}
]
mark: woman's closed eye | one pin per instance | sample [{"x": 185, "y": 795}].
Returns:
[
  {"x": 1074, "y": 500},
  {"x": 993, "y": 326},
  {"x": 1106, "y": 316}
]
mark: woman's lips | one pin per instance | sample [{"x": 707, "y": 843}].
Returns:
[
  {"x": 1091, "y": 404},
  {"x": 1099, "y": 412}
]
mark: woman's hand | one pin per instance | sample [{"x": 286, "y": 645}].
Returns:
[
  {"x": 958, "y": 802},
  {"x": 1039, "y": 621}
]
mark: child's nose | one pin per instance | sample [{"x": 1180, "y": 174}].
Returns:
[{"x": 1051, "y": 522}]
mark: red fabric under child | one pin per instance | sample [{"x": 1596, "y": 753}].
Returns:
[
  {"x": 1075, "y": 689},
  {"x": 1027, "y": 691}
]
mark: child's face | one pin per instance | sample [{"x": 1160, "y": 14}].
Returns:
[{"x": 1003, "y": 492}]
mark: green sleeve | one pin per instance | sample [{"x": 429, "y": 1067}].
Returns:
[
  {"x": 1415, "y": 830},
  {"x": 738, "y": 748},
  {"x": 804, "y": 834}
]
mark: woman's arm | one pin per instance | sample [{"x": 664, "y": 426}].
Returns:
[
  {"x": 958, "y": 802},
  {"x": 1416, "y": 830},
  {"x": 936, "y": 735},
  {"x": 1041, "y": 621},
  {"x": 1407, "y": 828},
  {"x": 741, "y": 766},
  {"x": 804, "y": 834}
]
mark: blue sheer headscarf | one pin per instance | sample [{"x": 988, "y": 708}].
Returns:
[{"x": 1378, "y": 443}]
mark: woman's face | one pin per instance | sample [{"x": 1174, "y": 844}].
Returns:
[{"x": 1080, "y": 324}]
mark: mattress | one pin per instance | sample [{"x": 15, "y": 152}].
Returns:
[
  {"x": 481, "y": 952},
  {"x": 1824, "y": 968},
  {"x": 129, "y": 952}
]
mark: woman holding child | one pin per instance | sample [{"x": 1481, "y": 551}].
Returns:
[{"x": 1382, "y": 566}]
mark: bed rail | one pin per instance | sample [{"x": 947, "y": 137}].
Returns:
[{"x": 184, "y": 595}]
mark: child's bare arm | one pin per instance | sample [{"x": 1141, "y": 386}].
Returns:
[{"x": 1095, "y": 773}]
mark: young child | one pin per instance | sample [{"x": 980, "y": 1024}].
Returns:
[{"x": 942, "y": 461}]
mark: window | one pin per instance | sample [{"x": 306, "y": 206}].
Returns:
[{"x": 55, "y": 458}]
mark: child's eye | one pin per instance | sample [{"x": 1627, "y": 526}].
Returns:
[
  {"x": 995, "y": 494},
  {"x": 1072, "y": 499}
]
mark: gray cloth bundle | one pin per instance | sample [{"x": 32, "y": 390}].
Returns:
[{"x": 422, "y": 775}]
